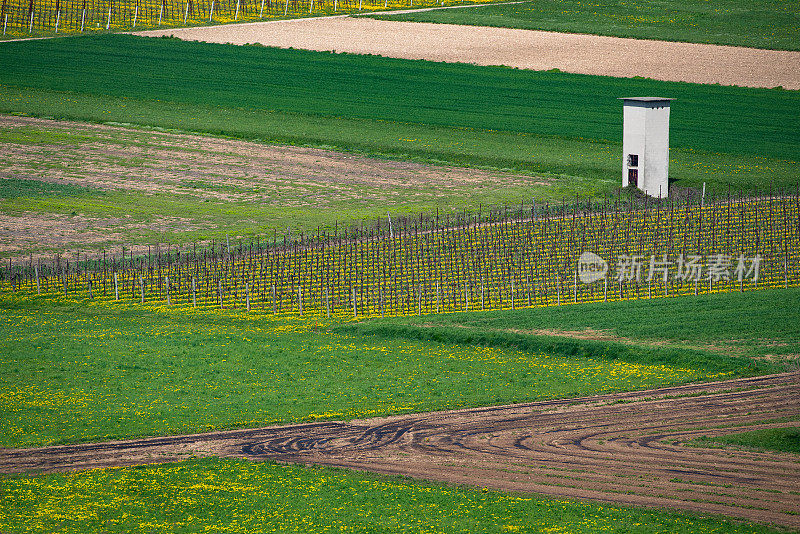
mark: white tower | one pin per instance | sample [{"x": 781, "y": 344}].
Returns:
[{"x": 645, "y": 144}]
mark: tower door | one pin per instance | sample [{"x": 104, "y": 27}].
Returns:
[{"x": 633, "y": 177}]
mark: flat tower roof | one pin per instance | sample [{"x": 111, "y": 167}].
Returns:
[{"x": 645, "y": 98}]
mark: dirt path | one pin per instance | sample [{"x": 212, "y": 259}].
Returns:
[
  {"x": 525, "y": 49},
  {"x": 627, "y": 448}
]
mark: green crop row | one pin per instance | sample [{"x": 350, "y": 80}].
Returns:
[{"x": 720, "y": 119}]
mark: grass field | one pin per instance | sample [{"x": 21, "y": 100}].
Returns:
[
  {"x": 122, "y": 185},
  {"x": 758, "y": 24},
  {"x": 754, "y": 324},
  {"x": 773, "y": 439},
  {"x": 540, "y": 122},
  {"x": 77, "y": 371},
  {"x": 214, "y": 495},
  {"x": 113, "y": 372},
  {"x": 206, "y": 216}
]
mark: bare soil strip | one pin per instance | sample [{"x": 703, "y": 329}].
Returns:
[
  {"x": 524, "y": 49},
  {"x": 625, "y": 448}
]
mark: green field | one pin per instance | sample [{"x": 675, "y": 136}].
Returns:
[
  {"x": 538, "y": 122},
  {"x": 85, "y": 371},
  {"x": 199, "y": 214},
  {"x": 757, "y": 24},
  {"x": 771, "y": 439},
  {"x": 215, "y": 495},
  {"x": 212, "y": 205},
  {"x": 752, "y": 324}
]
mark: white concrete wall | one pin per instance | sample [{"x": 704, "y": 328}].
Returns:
[
  {"x": 633, "y": 138},
  {"x": 656, "y": 152}
]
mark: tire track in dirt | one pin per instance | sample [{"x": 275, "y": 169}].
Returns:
[{"x": 625, "y": 448}]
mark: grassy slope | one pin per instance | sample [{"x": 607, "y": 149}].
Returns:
[
  {"x": 241, "y": 496},
  {"x": 83, "y": 371},
  {"x": 304, "y": 205},
  {"x": 753, "y": 324},
  {"x": 492, "y": 149},
  {"x": 202, "y": 220},
  {"x": 757, "y": 24},
  {"x": 536, "y": 121}
]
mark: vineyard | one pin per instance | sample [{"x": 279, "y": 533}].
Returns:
[
  {"x": 45, "y": 17},
  {"x": 496, "y": 259}
]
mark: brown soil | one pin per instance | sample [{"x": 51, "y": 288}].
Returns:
[
  {"x": 525, "y": 49},
  {"x": 625, "y": 448}
]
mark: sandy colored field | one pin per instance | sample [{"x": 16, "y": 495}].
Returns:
[
  {"x": 525, "y": 49},
  {"x": 629, "y": 448}
]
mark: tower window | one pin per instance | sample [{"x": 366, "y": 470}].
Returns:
[{"x": 633, "y": 160}]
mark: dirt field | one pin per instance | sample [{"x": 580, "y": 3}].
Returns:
[
  {"x": 525, "y": 49},
  {"x": 628, "y": 448}
]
